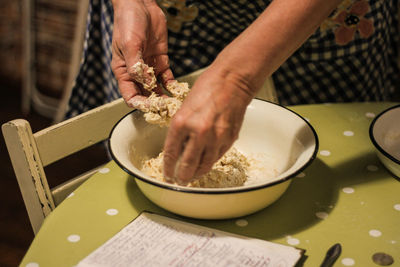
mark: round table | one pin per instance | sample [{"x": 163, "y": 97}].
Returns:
[{"x": 345, "y": 196}]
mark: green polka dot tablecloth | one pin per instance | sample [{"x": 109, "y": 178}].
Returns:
[{"x": 345, "y": 196}]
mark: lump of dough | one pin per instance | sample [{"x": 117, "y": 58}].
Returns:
[
  {"x": 144, "y": 75},
  {"x": 229, "y": 171},
  {"x": 179, "y": 90},
  {"x": 159, "y": 110}
]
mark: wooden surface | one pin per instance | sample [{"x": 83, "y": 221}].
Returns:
[
  {"x": 31, "y": 152},
  {"x": 15, "y": 230}
]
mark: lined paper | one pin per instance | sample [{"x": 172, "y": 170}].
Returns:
[{"x": 155, "y": 240}]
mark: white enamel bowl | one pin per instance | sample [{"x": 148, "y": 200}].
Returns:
[
  {"x": 267, "y": 128},
  {"x": 384, "y": 133}
]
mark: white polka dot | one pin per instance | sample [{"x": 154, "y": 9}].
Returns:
[
  {"x": 325, "y": 152},
  {"x": 71, "y": 195},
  {"x": 393, "y": 241},
  {"x": 372, "y": 168},
  {"x": 362, "y": 202},
  {"x": 292, "y": 241},
  {"x": 73, "y": 238},
  {"x": 104, "y": 170},
  {"x": 321, "y": 214},
  {"x": 348, "y": 133},
  {"x": 32, "y": 264},
  {"x": 375, "y": 233},
  {"x": 348, "y": 190},
  {"x": 370, "y": 115},
  {"x": 397, "y": 207},
  {"x": 348, "y": 261},
  {"x": 112, "y": 212},
  {"x": 242, "y": 222},
  {"x": 301, "y": 175}
]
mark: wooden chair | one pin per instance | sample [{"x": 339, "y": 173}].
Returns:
[{"x": 31, "y": 152}]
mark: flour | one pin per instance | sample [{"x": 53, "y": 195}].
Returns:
[
  {"x": 262, "y": 168},
  {"x": 229, "y": 171},
  {"x": 232, "y": 170}
]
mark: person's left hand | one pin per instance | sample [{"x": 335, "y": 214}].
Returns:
[{"x": 206, "y": 125}]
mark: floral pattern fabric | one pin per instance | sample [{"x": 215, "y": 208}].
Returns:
[{"x": 348, "y": 19}]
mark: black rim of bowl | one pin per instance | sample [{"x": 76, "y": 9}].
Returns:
[
  {"x": 199, "y": 190},
  {"x": 372, "y": 137}
]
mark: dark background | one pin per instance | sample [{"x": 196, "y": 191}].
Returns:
[{"x": 53, "y": 26}]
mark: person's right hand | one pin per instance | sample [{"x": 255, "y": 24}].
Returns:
[
  {"x": 139, "y": 35},
  {"x": 208, "y": 122}
]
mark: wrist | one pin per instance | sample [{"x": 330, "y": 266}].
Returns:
[
  {"x": 126, "y": 3},
  {"x": 235, "y": 80},
  {"x": 237, "y": 68},
  {"x": 117, "y": 3}
]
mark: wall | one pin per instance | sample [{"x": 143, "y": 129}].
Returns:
[{"x": 53, "y": 25}]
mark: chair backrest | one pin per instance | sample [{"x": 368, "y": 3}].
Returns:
[{"x": 31, "y": 152}]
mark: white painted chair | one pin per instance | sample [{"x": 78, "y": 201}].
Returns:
[{"x": 31, "y": 152}]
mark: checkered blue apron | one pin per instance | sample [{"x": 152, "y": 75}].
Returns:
[{"x": 361, "y": 65}]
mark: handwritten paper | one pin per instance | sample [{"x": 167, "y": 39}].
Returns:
[{"x": 155, "y": 240}]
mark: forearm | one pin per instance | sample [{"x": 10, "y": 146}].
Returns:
[
  {"x": 121, "y": 3},
  {"x": 276, "y": 34}
]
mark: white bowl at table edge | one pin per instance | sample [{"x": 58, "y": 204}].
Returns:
[{"x": 257, "y": 196}]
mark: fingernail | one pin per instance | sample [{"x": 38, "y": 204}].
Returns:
[
  {"x": 132, "y": 103},
  {"x": 168, "y": 179},
  {"x": 181, "y": 182}
]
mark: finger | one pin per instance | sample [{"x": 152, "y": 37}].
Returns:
[
  {"x": 162, "y": 71},
  {"x": 223, "y": 149},
  {"x": 132, "y": 54},
  {"x": 209, "y": 157},
  {"x": 189, "y": 161},
  {"x": 155, "y": 104},
  {"x": 164, "y": 78},
  {"x": 173, "y": 147},
  {"x": 127, "y": 88},
  {"x": 139, "y": 102},
  {"x": 136, "y": 67},
  {"x": 161, "y": 65}
]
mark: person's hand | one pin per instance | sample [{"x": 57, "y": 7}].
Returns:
[
  {"x": 206, "y": 125},
  {"x": 139, "y": 35}
]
